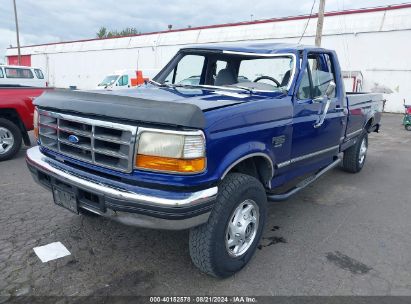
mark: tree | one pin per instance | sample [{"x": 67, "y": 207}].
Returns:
[
  {"x": 129, "y": 31},
  {"x": 104, "y": 33}
]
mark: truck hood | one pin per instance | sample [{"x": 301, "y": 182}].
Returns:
[
  {"x": 205, "y": 99},
  {"x": 163, "y": 105}
]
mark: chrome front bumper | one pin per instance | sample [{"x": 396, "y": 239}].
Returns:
[{"x": 163, "y": 210}]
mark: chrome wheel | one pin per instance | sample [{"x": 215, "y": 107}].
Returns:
[
  {"x": 242, "y": 228},
  {"x": 6, "y": 140},
  {"x": 363, "y": 151}
]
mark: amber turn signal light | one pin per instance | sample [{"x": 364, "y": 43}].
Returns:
[
  {"x": 159, "y": 163},
  {"x": 36, "y": 133},
  {"x": 36, "y": 123}
]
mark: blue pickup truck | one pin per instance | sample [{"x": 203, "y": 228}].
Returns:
[{"x": 218, "y": 133}]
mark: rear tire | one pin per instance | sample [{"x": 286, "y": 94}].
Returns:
[
  {"x": 354, "y": 157},
  {"x": 10, "y": 139},
  {"x": 227, "y": 242},
  {"x": 408, "y": 127}
]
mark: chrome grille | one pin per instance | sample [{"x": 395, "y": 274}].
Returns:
[{"x": 101, "y": 143}]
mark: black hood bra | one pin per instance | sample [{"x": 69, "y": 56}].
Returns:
[{"x": 123, "y": 107}]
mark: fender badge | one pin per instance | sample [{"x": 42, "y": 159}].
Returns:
[{"x": 278, "y": 141}]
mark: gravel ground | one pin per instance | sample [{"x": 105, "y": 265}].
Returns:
[{"x": 344, "y": 235}]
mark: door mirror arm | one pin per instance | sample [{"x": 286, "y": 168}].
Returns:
[
  {"x": 326, "y": 98},
  {"x": 321, "y": 118}
]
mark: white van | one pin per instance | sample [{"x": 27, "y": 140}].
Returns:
[
  {"x": 126, "y": 79},
  {"x": 118, "y": 80},
  {"x": 22, "y": 75}
]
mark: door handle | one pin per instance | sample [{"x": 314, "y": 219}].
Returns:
[{"x": 338, "y": 109}]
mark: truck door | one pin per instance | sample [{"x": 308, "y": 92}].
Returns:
[{"x": 314, "y": 144}]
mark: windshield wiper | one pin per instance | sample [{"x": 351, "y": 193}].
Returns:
[
  {"x": 179, "y": 85},
  {"x": 252, "y": 91},
  {"x": 249, "y": 90},
  {"x": 163, "y": 85}
]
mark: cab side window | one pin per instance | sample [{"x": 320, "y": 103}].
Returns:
[
  {"x": 317, "y": 76},
  {"x": 1, "y": 73},
  {"x": 304, "y": 90},
  {"x": 321, "y": 73},
  {"x": 18, "y": 73},
  {"x": 123, "y": 81},
  {"x": 39, "y": 73}
]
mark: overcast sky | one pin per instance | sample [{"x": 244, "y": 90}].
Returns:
[{"x": 43, "y": 21}]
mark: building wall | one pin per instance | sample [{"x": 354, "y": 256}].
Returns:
[
  {"x": 24, "y": 60},
  {"x": 376, "y": 43},
  {"x": 382, "y": 57}
]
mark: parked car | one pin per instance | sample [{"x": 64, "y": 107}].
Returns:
[
  {"x": 407, "y": 117},
  {"x": 16, "y": 118},
  {"x": 118, "y": 80},
  {"x": 353, "y": 80},
  {"x": 22, "y": 76},
  {"x": 205, "y": 157}
]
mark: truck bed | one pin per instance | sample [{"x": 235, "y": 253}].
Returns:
[{"x": 363, "y": 108}]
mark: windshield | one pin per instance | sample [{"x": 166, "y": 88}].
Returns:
[
  {"x": 231, "y": 70},
  {"x": 109, "y": 80}
]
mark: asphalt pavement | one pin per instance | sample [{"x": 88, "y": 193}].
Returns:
[{"x": 344, "y": 235}]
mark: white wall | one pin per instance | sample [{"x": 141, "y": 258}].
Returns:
[
  {"x": 378, "y": 44},
  {"x": 384, "y": 58}
]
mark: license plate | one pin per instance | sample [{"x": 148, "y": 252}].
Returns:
[{"x": 65, "y": 199}]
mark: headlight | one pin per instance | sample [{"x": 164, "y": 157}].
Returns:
[
  {"x": 36, "y": 123},
  {"x": 171, "y": 151}
]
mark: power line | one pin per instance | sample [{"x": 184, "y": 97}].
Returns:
[{"x": 308, "y": 21}]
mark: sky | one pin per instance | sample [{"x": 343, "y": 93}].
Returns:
[{"x": 43, "y": 21}]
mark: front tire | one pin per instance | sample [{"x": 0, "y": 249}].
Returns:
[
  {"x": 10, "y": 139},
  {"x": 408, "y": 127},
  {"x": 227, "y": 242},
  {"x": 354, "y": 157}
]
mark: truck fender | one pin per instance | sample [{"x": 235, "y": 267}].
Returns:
[
  {"x": 14, "y": 117},
  {"x": 243, "y": 152},
  {"x": 369, "y": 123}
]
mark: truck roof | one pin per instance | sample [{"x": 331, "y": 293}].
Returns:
[
  {"x": 258, "y": 48},
  {"x": 17, "y": 66}
]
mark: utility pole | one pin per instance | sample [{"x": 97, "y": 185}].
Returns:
[
  {"x": 320, "y": 23},
  {"x": 17, "y": 33}
]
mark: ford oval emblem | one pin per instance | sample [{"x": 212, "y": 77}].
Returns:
[{"x": 73, "y": 139}]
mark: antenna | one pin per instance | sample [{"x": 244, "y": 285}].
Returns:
[{"x": 138, "y": 57}]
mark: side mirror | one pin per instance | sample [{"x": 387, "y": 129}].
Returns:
[{"x": 330, "y": 89}]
